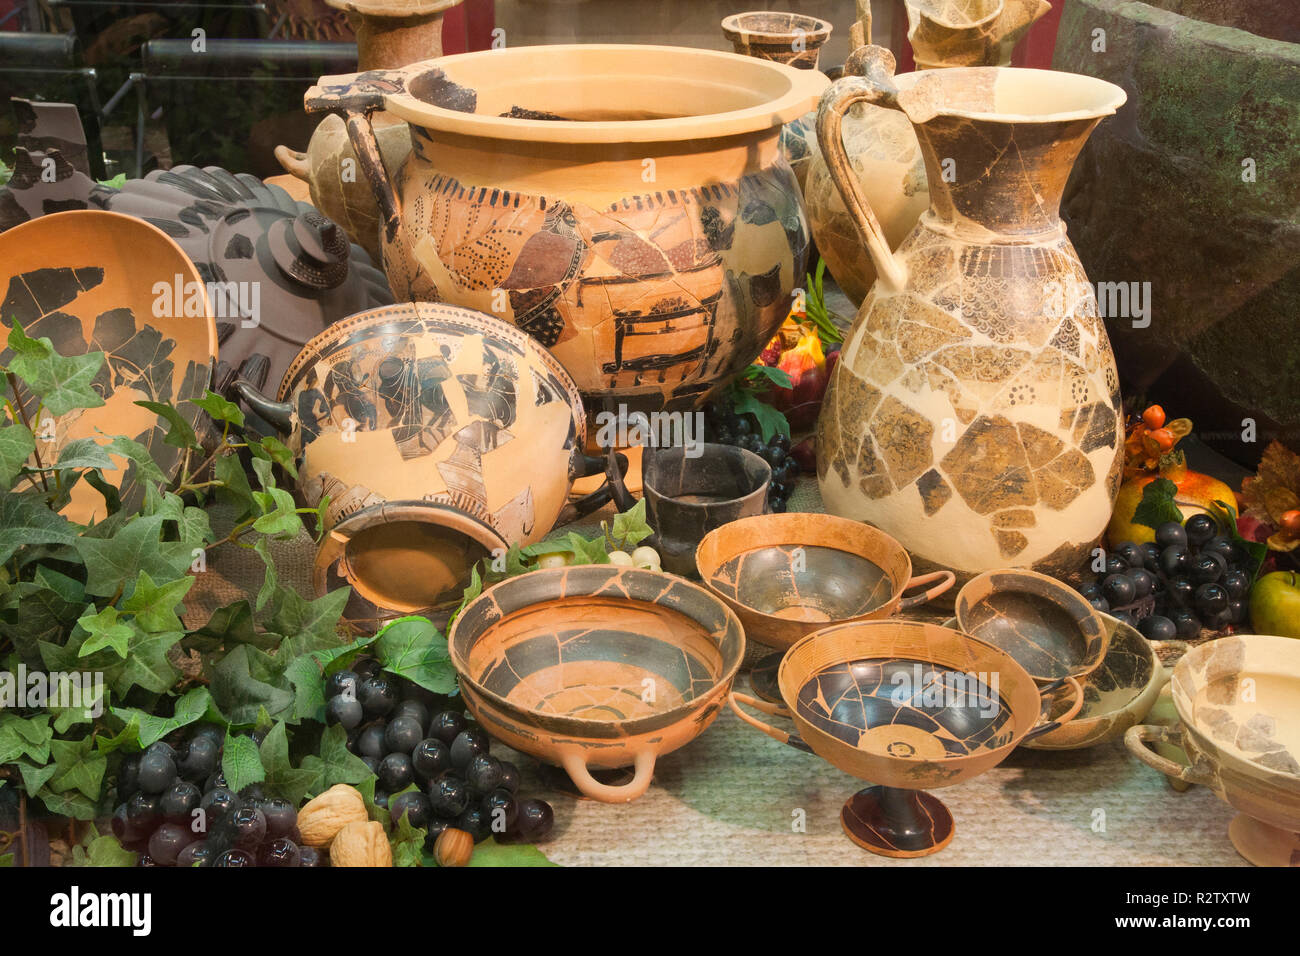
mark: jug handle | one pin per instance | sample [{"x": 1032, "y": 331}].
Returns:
[
  {"x": 1137, "y": 738},
  {"x": 356, "y": 97},
  {"x": 735, "y": 699},
  {"x": 576, "y": 767},
  {"x": 946, "y": 580},
  {"x": 584, "y": 466},
  {"x": 874, "y": 86},
  {"x": 293, "y": 162},
  {"x": 278, "y": 414}
]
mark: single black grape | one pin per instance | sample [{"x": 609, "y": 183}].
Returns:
[
  {"x": 395, "y": 772},
  {"x": 413, "y": 804},
  {"x": 1130, "y": 553},
  {"x": 1157, "y": 628},
  {"x": 217, "y": 802},
  {"x": 1211, "y": 599},
  {"x": 1237, "y": 583},
  {"x": 214, "y": 732},
  {"x": 430, "y": 758},
  {"x": 403, "y": 734},
  {"x": 1151, "y": 556},
  {"x": 1207, "y": 567},
  {"x": 249, "y": 825},
  {"x": 180, "y": 801},
  {"x": 469, "y": 743},
  {"x": 1101, "y": 604},
  {"x": 144, "y": 810},
  {"x": 1090, "y": 589},
  {"x": 780, "y": 440},
  {"x": 342, "y": 682},
  {"x": 1118, "y": 589},
  {"x": 371, "y": 742},
  {"x": 1181, "y": 592},
  {"x": 309, "y": 856},
  {"x": 378, "y": 696},
  {"x": 475, "y": 822},
  {"x": 1187, "y": 624},
  {"x": 280, "y": 852},
  {"x": 235, "y": 857},
  {"x": 344, "y": 711},
  {"x": 1238, "y": 611},
  {"x": 1171, "y": 533},
  {"x": 157, "y": 771},
  {"x": 281, "y": 817},
  {"x": 502, "y": 810},
  {"x": 448, "y": 796},
  {"x": 218, "y": 779},
  {"x": 483, "y": 775},
  {"x": 365, "y": 668},
  {"x": 1114, "y": 565},
  {"x": 372, "y": 763},
  {"x": 1144, "y": 582},
  {"x": 1174, "y": 560},
  {"x": 534, "y": 821},
  {"x": 1200, "y": 529},
  {"x": 197, "y": 852},
  {"x": 200, "y": 758},
  {"x": 509, "y": 777},
  {"x": 124, "y": 828},
  {"x": 446, "y": 725},
  {"x": 415, "y": 709},
  {"x": 167, "y": 842}
]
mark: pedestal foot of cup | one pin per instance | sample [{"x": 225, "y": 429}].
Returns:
[{"x": 897, "y": 823}]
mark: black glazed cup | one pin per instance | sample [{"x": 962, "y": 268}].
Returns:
[{"x": 689, "y": 496}]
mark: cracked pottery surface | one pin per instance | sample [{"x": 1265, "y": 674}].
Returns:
[
  {"x": 975, "y": 411},
  {"x": 796, "y": 40},
  {"x": 645, "y": 228},
  {"x": 882, "y": 147},
  {"x": 1047, "y": 626},
  {"x": 596, "y": 666},
  {"x": 50, "y": 137},
  {"x": 433, "y": 414},
  {"x": 86, "y": 280}
]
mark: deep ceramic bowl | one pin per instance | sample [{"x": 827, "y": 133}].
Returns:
[
  {"x": 786, "y": 575},
  {"x": 1045, "y": 625},
  {"x": 596, "y": 666},
  {"x": 1117, "y": 695},
  {"x": 1238, "y": 700}
]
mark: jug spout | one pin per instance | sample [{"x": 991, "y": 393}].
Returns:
[{"x": 948, "y": 33}]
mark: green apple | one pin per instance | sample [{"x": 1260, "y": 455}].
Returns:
[{"x": 1275, "y": 604}]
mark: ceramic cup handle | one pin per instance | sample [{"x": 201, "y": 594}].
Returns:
[
  {"x": 946, "y": 580},
  {"x": 356, "y": 97},
  {"x": 584, "y": 466},
  {"x": 1136, "y": 740},
  {"x": 644, "y": 766},
  {"x": 874, "y": 87},
  {"x": 1065, "y": 718},
  {"x": 735, "y": 699}
]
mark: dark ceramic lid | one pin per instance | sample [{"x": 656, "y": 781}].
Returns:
[{"x": 296, "y": 267}]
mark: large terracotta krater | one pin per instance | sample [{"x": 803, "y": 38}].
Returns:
[
  {"x": 626, "y": 205},
  {"x": 975, "y": 412}
]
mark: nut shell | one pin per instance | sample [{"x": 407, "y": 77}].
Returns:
[
  {"x": 361, "y": 844},
  {"x": 453, "y": 847},
  {"x": 321, "y": 819}
]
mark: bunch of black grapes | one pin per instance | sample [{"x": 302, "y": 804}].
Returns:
[
  {"x": 1192, "y": 576},
  {"x": 723, "y": 426},
  {"x": 176, "y": 810},
  {"x": 407, "y": 735}
]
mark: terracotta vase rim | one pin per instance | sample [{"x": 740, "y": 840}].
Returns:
[
  {"x": 798, "y": 94},
  {"x": 920, "y": 112},
  {"x": 818, "y": 29},
  {"x": 394, "y": 8}
]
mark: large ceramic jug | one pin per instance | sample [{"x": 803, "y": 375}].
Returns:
[
  {"x": 975, "y": 411},
  {"x": 880, "y": 142}
]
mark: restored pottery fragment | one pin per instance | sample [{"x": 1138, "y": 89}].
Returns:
[
  {"x": 51, "y": 170},
  {"x": 644, "y": 225},
  {"x": 596, "y": 667},
  {"x": 90, "y": 281},
  {"x": 1238, "y": 699},
  {"x": 906, "y": 705},
  {"x": 881, "y": 145},
  {"x": 793, "y": 39},
  {"x": 439, "y": 435},
  {"x": 975, "y": 411}
]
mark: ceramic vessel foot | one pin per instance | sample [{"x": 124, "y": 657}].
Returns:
[
  {"x": 762, "y": 678},
  {"x": 1262, "y": 844},
  {"x": 897, "y": 823}
]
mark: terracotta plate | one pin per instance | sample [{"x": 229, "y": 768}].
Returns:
[{"x": 100, "y": 281}]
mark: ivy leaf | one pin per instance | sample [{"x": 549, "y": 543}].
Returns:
[
  {"x": 279, "y": 513},
  {"x": 28, "y": 736},
  {"x": 1158, "y": 504},
  {"x": 25, "y": 521},
  {"x": 72, "y": 803},
  {"x": 764, "y": 374},
  {"x": 413, "y": 648},
  {"x": 309, "y": 625},
  {"x": 407, "y": 842},
  {"x": 241, "y": 762},
  {"x": 112, "y": 563},
  {"x": 240, "y": 686},
  {"x": 306, "y": 673},
  {"x": 35, "y": 777},
  {"x": 219, "y": 409},
  {"x": 492, "y": 853},
  {"x": 630, "y": 527},
  {"x": 85, "y": 453},
  {"x": 335, "y": 763},
  {"x": 105, "y": 631},
  {"x": 128, "y": 738},
  {"x": 112, "y": 496},
  {"x": 235, "y": 489},
  {"x": 147, "y": 664},
  {"x": 276, "y": 451},
  {"x": 282, "y": 779},
  {"x": 228, "y": 626},
  {"x": 80, "y": 768},
  {"x": 770, "y": 421},
  {"x": 189, "y": 709},
  {"x": 180, "y": 434},
  {"x": 154, "y": 606},
  {"x": 270, "y": 582},
  {"x": 1226, "y": 516},
  {"x": 16, "y": 446},
  {"x": 106, "y": 851},
  {"x": 583, "y": 550},
  {"x": 146, "y": 468},
  {"x": 62, "y": 382}
]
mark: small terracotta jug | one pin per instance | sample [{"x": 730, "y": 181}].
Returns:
[{"x": 975, "y": 410}]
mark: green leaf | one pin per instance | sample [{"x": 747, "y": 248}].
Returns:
[
  {"x": 192, "y": 524},
  {"x": 407, "y": 842},
  {"x": 279, "y": 513},
  {"x": 154, "y": 606},
  {"x": 112, "y": 563},
  {"x": 106, "y": 851},
  {"x": 413, "y": 648},
  {"x": 111, "y": 494},
  {"x": 306, "y": 673},
  {"x": 104, "y": 631},
  {"x": 189, "y": 709},
  {"x": 235, "y": 489},
  {"x": 241, "y": 686},
  {"x": 583, "y": 550},
  {"x": 770, "y": 421},
  {"x": 62, "y": 382},
  {"x": 492, "y": 853},
  {"x": 282, "y": 779},
  {"x": 630, "y": 527},
  {"x": 241, "y": 762},
  {"x": 85, "y": 453},
  {"x": 180, "y": 434},
  {"x": 29, "y": 736},
  {"x": 128, "y": 738},
  {"x": 277, "y": 452},
  {"x": 764, "y": 374},
  {"x": 16, "y": 446},
  {"x": 35, "y": 777},
  {"x": 1226, "y": 517},
  {"x": 335, "y": 763},
  {"x": 309, "y": 625},
  {"x": 147, "y": 664},
  {"x": 1158, "y": 504},
  {"x": 219, "y": 409},
  {"x": 25, "y": 522},
  {"x": 71, "y": 803},
  {"x": 270, "y": 582},
  {"x": 80, "y": 767},
  {"x": 146, "y": 469}
]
